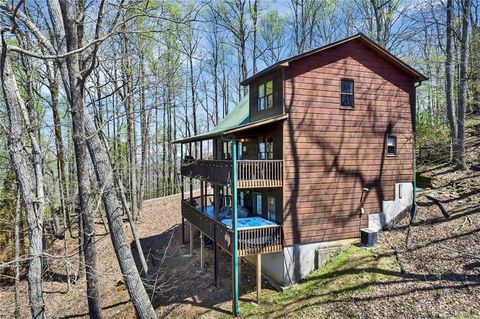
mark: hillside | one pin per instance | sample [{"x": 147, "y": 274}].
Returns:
[{"x": 441, "y": 278}]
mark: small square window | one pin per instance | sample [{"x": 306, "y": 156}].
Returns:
[
  {"x": 346, "y": 93},
  {"x": 391, "y": 145}
]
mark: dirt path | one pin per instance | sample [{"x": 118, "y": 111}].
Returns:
[{"x": 180, "y": 288}]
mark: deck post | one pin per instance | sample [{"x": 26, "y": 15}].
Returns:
[
  {"x": 201, "y": 250},
  {"x": 191, "y": 180},
  {"x": 234, "y": 228},
  {"x": 182, "y": 190},
  {"x": 215, "y": 277},
  {"x": 202, "y": 199},
  {"x": 191, "y": 240},
  {"x": 259, "y": 276}
]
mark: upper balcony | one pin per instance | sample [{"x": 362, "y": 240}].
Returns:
[{"x": 250, "y": 173}]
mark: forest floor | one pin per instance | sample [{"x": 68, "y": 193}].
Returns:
[{"x": 441, "y": 278}]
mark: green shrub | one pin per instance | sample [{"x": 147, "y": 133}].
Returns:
[{"x": 431, "y": 131}]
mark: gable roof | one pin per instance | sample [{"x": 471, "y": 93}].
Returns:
[{"x": 417, "y": 76}]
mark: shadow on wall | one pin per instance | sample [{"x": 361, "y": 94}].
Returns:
[{"x": 330, "y": 155}]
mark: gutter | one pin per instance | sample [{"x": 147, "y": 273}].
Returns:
[{"x": 413, "y": 211}]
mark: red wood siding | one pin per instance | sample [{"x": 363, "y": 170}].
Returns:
[{"x": 330, "y": 153}]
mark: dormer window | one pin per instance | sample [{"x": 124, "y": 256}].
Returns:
[{"x": 265, "y": 96}]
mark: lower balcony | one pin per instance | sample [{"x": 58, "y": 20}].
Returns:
[
  {"x": 250, "y": 173},
  {"x": 256, "y": 235}
]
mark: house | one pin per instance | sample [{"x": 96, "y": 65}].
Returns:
[{"x": 324, "y": 147}]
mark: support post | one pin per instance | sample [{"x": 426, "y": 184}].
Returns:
[
  {"x": 215, "y": 277},
  {"x": 191, "y": 180},
  {"x": 191, "y": 240},
  {"x": 201, "y": 250},
  {"x": 182, "y": 189},
  {"x": 259, "y": 276},
  {"x": 234, "y": 228},
  {"x": 202, "y": 199}
]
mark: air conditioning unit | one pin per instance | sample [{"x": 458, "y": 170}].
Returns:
[{"x": 369, "y": 237}]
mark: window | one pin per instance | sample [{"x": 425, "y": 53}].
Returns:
[
  {"x": 391, "y": 145},
  {"x": 265, "y": 96},
  {"x": 271, "y": 209},
  {"x": 227, "y": 150},
  {"x": 240, "y": 147},
  {"x": 257, "y": 203},
  {"x": 242, "y": 199},
  {"x": 346, "y": 93},
  {"x": 265, "y": 148}
]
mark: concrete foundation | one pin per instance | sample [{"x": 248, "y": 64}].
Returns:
[
  {"x": 297, "y": 261},
  {"x": 393, "y": 210}
]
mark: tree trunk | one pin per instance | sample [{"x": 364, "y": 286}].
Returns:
[
  {"x": 146, "y": 119},
  {"x": 34, "y": 206},
  {"x": 62, "y": 182},
  {"x": 130, "y": 114},
  {"x": 18, "y": 216},
  {"x": 254, "y": 31},
  {"x": 451, "y": 113},
  {"x": 102, "y": 167},
  {"x": 76, "y": 83},
  {"x": 459, "y": 146}
]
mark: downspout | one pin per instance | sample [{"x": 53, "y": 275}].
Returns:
[
  {"x": 234, "y": 225},
  {"x": 414, "y": 129}
]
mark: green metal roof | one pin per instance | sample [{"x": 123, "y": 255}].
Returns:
[{"x": 237, "y": 117}]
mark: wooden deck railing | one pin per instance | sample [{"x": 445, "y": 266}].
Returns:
[
  {"x": 264, "y": 239},
  {"x": 251, "y": 173},
  {"x": 251, "y": 240},
  {"x": 208, "y": 170},
  {"x": 260, "y": 173}
]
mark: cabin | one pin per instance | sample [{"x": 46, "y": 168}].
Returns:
[{"x": 320, "y": 148}]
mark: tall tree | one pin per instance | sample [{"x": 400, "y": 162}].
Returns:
[
  {"x": 129, "y": 103},
  {"x": 30, "y": 187},
  {"x": 232, "y": 15},
  {"x": 451, "y": 110},
  {"x": 459, "y": 146},
  {"x": 76, "y": 82}
]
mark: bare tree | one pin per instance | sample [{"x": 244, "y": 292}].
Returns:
[
  {"x": 451, "y": 111},
  {"x": 30, "y": 187},
  {"x": 459, "y": 146},
  {"x": 232, "y": 15},
  {"x": 76, "y": 82}
]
